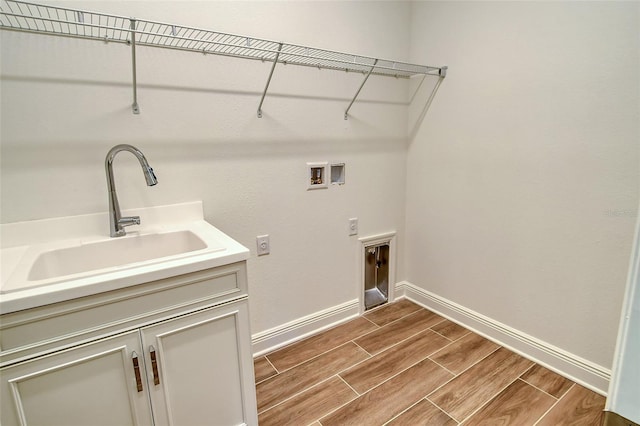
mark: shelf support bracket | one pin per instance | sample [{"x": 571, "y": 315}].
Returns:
[
  {"x": 346, "y": 113},
  {"x": 275, "y": 61},
  {"x": 134, "y": 106},
  {"x": 424, "y": 77}
]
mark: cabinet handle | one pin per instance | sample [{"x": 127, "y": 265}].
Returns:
[
  {"x": 154, "y": 365},
  {"x": 136, "y": 369}
]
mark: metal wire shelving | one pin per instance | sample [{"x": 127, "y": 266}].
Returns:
[{"x": 24, "y": 16}]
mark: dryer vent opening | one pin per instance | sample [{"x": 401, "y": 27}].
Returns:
[{"x": 376, "y": 275}]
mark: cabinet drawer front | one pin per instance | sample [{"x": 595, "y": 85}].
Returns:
[{"x": 51, "y": 327}]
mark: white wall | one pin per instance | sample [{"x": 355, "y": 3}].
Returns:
[
  {"x": 65, "y": 102},
  {"x": 523, "y": 177}
]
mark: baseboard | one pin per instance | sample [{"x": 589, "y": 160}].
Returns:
[
  {"x": 300, "y": 328},
  {"x": 580, "y": 370}
]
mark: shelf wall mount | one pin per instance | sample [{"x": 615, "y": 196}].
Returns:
[
  {"x": 134, "y": 106},
  {"x": 18, "y": 15},
  {"x": 266, "y": 87},
  {"x": 346, "y": 113}
]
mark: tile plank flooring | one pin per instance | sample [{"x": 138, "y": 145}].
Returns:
[{"x": 401, "y": 364}]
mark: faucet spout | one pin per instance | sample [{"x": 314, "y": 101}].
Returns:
[{"x": 116, "y": 221}]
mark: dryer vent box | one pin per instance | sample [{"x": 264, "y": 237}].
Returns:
[{"x": 337, "y": 174}]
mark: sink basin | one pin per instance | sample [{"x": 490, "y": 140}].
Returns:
[
  {"x": 57, "y": 259},
  {"x": 112, "y": 253}
]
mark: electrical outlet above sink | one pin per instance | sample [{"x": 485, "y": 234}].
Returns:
[{"x": 63, "y": 258}]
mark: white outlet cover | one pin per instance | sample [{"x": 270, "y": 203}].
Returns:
[
  {"x": 262, "y": 242},
  {"x": 353, "y": 226}
]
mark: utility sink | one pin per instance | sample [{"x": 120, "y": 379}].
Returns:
[
  {"x": 64, "y": 258},
  {"x": 113, "y": 252}
]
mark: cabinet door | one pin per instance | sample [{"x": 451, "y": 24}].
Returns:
[
  {"x": 203, "y": 372},
  {"x": 92, "y": 384}
]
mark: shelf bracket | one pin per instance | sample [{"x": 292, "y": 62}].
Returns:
[
  {"x": 346, "y": 113},
  {"x": 443, "y": 71},
  {"x": 134, "y": 106},
  {"x": 275, "y": 61},
  {"x": 424, "y": 77}
]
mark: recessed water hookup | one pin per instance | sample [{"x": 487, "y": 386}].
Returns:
[
  {"x": 317, "y": 175},
  {"x": 377, "y": 263},
  {"x": 376, "y": 275}
]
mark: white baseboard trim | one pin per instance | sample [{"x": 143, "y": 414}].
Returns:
[
  {"x": 580, "y": 370},
  {"x": 274, "y": 338}
]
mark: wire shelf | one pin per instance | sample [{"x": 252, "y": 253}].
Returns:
[
  {"x": 31, "y": 17},
  {"x": 37, "y": 18}
]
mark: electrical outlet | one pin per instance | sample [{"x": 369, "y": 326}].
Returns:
[
  {"x": 353, "y": 226},
  {"x": 263, "y": 244}
]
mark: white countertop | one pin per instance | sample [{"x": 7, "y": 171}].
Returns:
[{"x": 23, "y": 242}]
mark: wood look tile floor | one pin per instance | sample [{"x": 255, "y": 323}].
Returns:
[{"x": 404, "y": 365}]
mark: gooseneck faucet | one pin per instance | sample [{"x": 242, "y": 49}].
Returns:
[{"x": 116, "y": 221}]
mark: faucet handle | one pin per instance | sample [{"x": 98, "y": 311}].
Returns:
[{"x": 129, "y": 220}]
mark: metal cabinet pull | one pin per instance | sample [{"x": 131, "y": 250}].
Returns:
[
  {"x": 154, "y": 365},
  {"x": 136, "y": 369}
]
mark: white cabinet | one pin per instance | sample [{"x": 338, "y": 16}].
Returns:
[
  {"x": 93, "y": 384},
  {"x": 176, "y": 363},
  {"x": 198, "y": 373}
]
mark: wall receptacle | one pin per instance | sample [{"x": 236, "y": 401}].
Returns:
[
  {"x": 262, "y": 241},
  {"x": 353, "y": 226}
]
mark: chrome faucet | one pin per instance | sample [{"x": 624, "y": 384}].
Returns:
[{"x": 116, "y": 221}]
